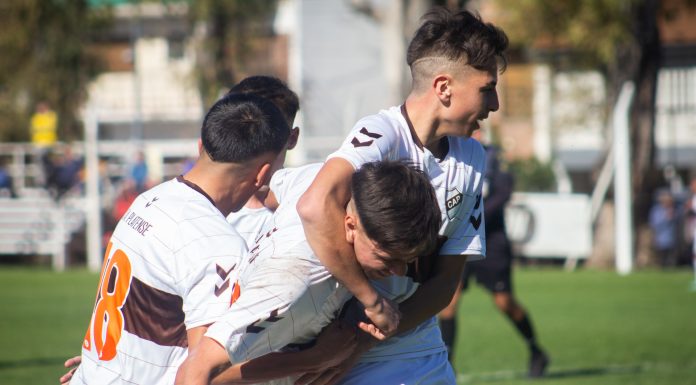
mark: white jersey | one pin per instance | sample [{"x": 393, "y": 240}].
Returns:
[
  {"x": 249, "y": 222},
  {"x": 166, "y": 269},
  {"x": 283, "y": 295},
  {"x": 457, "y": 179}
]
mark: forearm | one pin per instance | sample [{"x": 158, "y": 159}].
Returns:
[
  {"x": 268, "y": 367},
  {"x": 322, "y": 210},
  {"x": 434, "y": 294}
]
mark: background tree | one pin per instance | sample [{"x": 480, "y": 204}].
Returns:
[
  {"x": 224, "y": 31},
  {"x": 44, "y": 57},
  {"x": 620, "y": 37}
]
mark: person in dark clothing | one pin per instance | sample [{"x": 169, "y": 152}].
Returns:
[{"x": 494, "y": 272}]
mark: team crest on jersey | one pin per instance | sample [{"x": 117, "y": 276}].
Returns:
[{"x": 453, "y": 202}]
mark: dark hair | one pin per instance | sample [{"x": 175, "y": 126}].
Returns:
[
  {"x": 272, "y": 89},
  {"x": 397, "y": 207},
  {"x": 240, "y": 127},
  {"x": 457, "y": 36}
]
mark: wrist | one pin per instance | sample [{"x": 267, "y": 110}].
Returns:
[{"x": 367, "y": 295}]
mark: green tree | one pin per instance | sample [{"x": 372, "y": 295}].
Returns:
[
  {"x": 224, "y": 31},
  {"x": 621, "y": 37},
  {"x": 44, "y": 57}
]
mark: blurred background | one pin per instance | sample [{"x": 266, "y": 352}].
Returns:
[{"x": 101, "y": 99}]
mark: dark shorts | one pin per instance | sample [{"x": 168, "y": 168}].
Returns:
[{"x": 493, "y": 272}]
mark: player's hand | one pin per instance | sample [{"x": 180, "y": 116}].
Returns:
[
  {"x": 71, "y": 364},
  {"x": 335, "y": 344},
  {"x": 385, "y": 317}
]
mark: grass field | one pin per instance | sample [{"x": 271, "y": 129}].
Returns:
[{"x": 598, "y": 327}]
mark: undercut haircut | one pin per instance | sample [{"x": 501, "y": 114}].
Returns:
[
  {"x": 240, "y": 127},
  {"x": 446, "y": 38},
  {"x": 397, "y": 207},
  {"x": 272, "y": 89}
]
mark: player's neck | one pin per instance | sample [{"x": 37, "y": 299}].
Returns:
[
  {"x": 256, "y": 200},
  {"x": 422, "y": 114},
  {"x": 229, "y": 190}
]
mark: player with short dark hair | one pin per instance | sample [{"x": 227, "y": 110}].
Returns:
[
  {"x": 454, "y": 59},
  {"x": 253, "y": 216},
  {"x": 285, "y": 296},
  {"x": 165, "y": 273}
]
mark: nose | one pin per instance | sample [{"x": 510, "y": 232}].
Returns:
[{"x": 493, "y": 103}]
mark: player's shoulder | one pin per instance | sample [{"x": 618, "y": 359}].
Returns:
[{"x": 389, "y": 122}]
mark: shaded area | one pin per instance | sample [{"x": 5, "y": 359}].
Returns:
[
  {"x": 29, "y": 362},
  {"x": 557, "y": 374}
]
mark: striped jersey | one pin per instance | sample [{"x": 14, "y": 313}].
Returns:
[
  {"x": 167, "y": 269},
  {"x": 457, "y": 180}
]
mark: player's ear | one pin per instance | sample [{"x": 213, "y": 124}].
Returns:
[
  {"x": 292, "y": 139},
  {"x": 442, "y": 85},
  {"x": 200, "y": 147},
  {"x": 350, "y": 223},
  {"x": 263, "y": 175}
]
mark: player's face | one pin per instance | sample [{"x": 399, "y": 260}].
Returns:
[
  {"x": 473, "y": 96},
  {"x": 375, "y": 262}
]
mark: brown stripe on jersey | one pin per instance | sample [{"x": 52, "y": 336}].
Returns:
[
  {"x": 195, "y": 187},
  {"x": 154, "y": 315}
]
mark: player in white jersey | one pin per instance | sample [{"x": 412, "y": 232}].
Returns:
[
  {"x": 253, "y": 216},
  {"x": 454, "y": 60},
  {"x": 284, "y": 296},
  {"x": 167, "y": 266}
]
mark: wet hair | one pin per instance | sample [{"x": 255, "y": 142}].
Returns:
[
  {"x": 240, "y": 127},
  {"x": 397, "y": 207},
  {"x": 272, "y": 89}
]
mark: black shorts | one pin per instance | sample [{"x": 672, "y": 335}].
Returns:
[{"x": 493, "y": 272}]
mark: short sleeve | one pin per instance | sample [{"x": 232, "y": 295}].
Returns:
[
  {"x": 371, "y": 139},
  {"x": 210, "y": 262}
]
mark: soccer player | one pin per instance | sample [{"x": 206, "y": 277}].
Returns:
[
  {"x": 285, "y": 296},
  {"x": 166, "y": 270},
  {"x": 494, "y": 272},
  {"x": 253, "y": 216},
  {"x": 454, "y": 60}
]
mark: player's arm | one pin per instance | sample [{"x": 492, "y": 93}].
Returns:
[
  {"x": 322, "y": 209},
  {"x": 434, "y": 294},
  {"x": 210, "y": 359}
]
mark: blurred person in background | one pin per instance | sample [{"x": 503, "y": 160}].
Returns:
[
  {"x": 495, "y": 272},
  {"x": 43, "y": 126},
  {"x": 63, "y": 171},
  {"x": 6, "y": 183},
  {"x": 663, "y": 220},
  {"x": 139, "y": 172},
  {"x": 690, "y": 223}
]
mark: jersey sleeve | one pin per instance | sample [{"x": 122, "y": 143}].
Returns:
[
  {"x": 371, "y": 139},
  {"x": 289, "y": 183},
  {"x": 469, "y": 236},
  {"x": 209, "y": 262},
  {"x": 276, "y": 307}
]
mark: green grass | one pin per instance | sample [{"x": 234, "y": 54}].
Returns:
[
  {"x": 598, "y": 327},
  {"x": 44, "y": 318}
]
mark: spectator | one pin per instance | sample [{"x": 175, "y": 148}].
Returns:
[
  {"x": 663, "y": 222},
  {"x": 62, "y": 171},
  {"x": 43, "y": 126},
  {"x": 139, "y": 172},
  {"x": 6, "y": 184}
]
